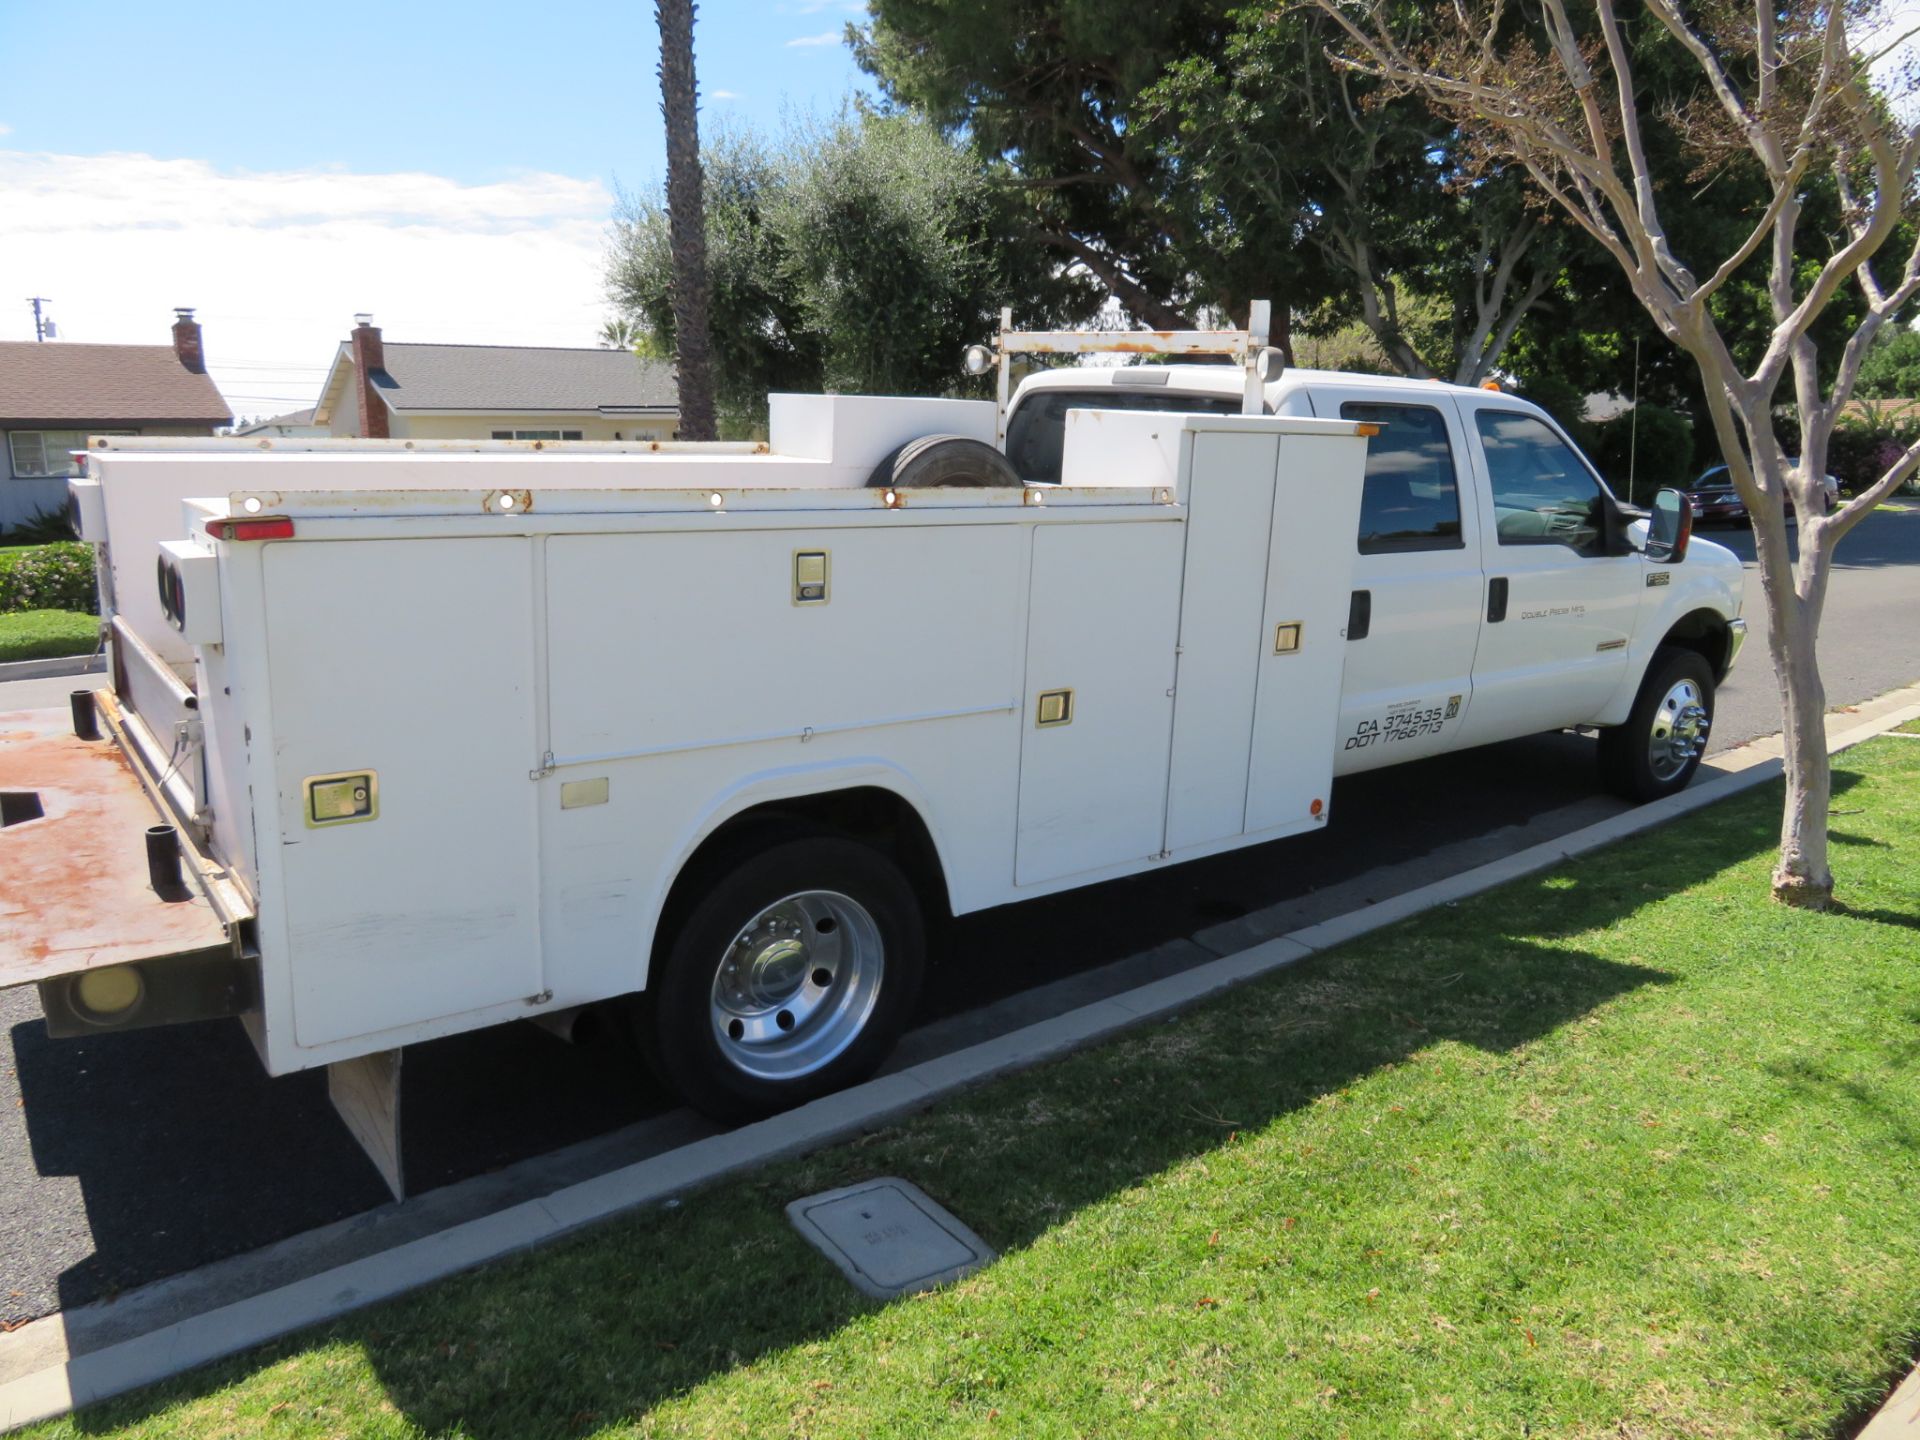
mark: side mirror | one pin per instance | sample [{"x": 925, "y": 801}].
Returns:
[{"x": 1671, "y": 527}]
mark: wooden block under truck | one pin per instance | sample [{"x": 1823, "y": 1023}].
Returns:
[{"x": 409, "y": 738}]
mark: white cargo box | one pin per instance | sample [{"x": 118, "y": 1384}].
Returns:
[{"x": 466, "y": 714}]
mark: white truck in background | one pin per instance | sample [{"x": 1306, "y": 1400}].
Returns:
[{"x": 410, "y": 738}]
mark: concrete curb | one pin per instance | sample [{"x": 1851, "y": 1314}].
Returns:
[
  {"x": 1899, "y": 1418},
  {"x": 186, "y": 1344},
  {"x": 58, "y": 665}
]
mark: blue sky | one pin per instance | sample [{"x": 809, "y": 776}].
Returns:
[
  {"x": 450, "y": 168},
  {"x": 473, "y": 91}
]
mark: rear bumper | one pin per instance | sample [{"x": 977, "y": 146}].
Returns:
[{"x": 76, "y": 898}]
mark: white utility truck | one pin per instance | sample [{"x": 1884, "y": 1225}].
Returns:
[{"x": 408, "y": 738}]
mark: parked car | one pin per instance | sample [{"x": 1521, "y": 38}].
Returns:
[{"x": 1714, "y": 499}]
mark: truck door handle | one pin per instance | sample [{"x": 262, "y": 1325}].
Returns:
[
  {"x": 1360, "y": 615},
  {"x": 1496, "y": 599}
]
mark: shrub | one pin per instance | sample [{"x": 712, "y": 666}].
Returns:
[
  {"x": 1861, "y": 450},
  {"x": 1658, "y": 454},
  {"x": 48, "y": 577},
  {"x": 43, "y": 527}
]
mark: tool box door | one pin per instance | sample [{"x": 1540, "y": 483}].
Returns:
[
  {"x": 410, "y": 662},
  {"x": 1316, "y": 512},
  {"x": 1101, "y": 627},
  {"x": 1222, "y": 608}
]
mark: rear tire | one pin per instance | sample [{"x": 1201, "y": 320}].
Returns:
[
  {"x": 791, "y": 977},
  {"x": 1656, "y": 752}
]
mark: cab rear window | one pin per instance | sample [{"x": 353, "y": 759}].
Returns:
[
  {"x": 1037, "y": 432},
  {"x": 1411, "y": 497}
]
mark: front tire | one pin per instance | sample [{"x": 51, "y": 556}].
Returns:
[
  {"x": 792, "y": 977},
  {"x": 1656, "y": 752}
]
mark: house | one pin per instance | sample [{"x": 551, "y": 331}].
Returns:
[
  {"x": 383, "y": 389},
  {"x": 295, "y": 425},
  {"x": 53, "y": 395}
]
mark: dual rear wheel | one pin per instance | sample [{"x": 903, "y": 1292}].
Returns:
[{"x": 791, "y": 977}]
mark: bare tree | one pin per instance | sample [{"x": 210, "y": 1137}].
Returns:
[
  {"x": 686, "y": 209},
  {"x": 1786, "y": 91}
]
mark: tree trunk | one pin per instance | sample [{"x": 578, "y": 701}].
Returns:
[
  {"x": 1801, "y": 876},
  {"x": 686, "y": 216}
]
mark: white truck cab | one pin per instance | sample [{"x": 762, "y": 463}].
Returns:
[{"x": 1500, "y": 590}]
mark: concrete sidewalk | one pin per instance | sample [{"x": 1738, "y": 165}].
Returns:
[{"x": 54, "y": 1379}]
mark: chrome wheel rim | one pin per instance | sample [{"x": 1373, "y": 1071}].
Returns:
[
  {"x": 1680, "y": 726},
  {"x": 797, "y": 985}
]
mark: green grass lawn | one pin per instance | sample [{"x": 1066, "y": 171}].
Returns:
[
  {"x": 43, "y": 634},
  {"x": 1623, "y": 1150}
]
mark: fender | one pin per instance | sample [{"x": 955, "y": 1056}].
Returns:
[
  {"x": 1715, "y": 585},
  {"x": 787, "y": 782}
]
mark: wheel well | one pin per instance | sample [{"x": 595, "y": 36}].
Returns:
[
  {"x": 869, "y": 813},
  {"x": 1706, "y": 633}
]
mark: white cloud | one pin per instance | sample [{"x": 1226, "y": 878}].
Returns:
[
  {"x": 825, "y": 37},
  {"x": 5, "y": 129},
  {"x": 278, "y": 262},
  {"x": 723, "y": 95}
]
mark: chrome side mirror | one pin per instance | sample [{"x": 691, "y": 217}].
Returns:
[{"x": 1670, "y": 528}]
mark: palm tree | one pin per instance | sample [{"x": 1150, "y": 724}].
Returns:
[
  {"x": 622, "y": 332},
  {"x": 686, "y": 216}
]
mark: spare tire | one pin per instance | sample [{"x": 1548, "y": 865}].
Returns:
[{"x": 943, "y": 460}]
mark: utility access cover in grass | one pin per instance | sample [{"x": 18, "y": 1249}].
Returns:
[{"x": 888, "y": 1238}]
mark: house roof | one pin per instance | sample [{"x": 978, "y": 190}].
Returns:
[
  {"x": 518, "y": 379},
  {"x": 62, "y": 383},
  {"x": 292, "y": 417}
]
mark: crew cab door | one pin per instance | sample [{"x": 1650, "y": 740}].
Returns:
[
  {"x": 1415, "y": 615},
  {"x": 1560, "y": 611}
]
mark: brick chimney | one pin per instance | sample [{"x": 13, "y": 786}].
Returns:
[
  {"x": 186, "y": 341},
  {"x": 368, "y": 356}
]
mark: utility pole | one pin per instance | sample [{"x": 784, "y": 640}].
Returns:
[
  {"x": 43, "y": 327},
  {"x": 1633, "y": 426}
]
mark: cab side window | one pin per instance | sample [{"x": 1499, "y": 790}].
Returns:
[
  {"x": 1542, "y": 493},
  {"x": 1411, "y": 499}
]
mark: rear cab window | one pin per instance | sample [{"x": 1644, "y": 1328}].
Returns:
[
  {"x": 1036, "y": 435},
  {"x": 1411, "y": 496}
]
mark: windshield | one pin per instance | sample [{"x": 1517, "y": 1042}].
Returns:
[{"x": 1038, "y": 430}]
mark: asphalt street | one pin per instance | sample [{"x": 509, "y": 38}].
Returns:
[{"x": 128, "y": 1158}]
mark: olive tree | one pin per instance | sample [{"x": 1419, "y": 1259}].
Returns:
[{"x": 1780, "y": 89}]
